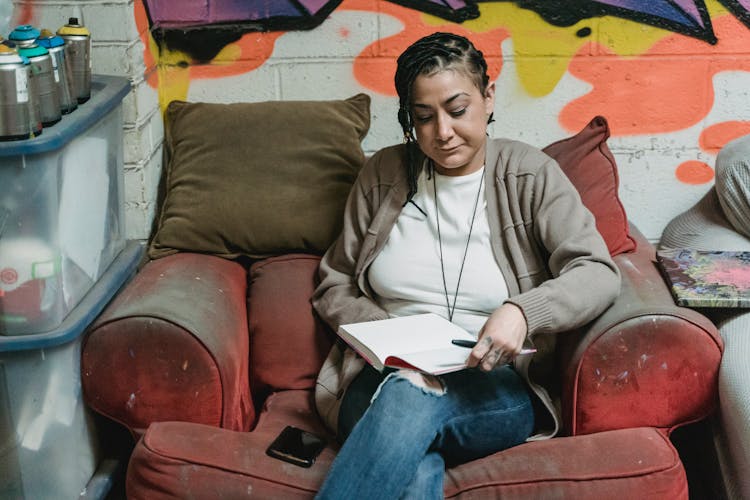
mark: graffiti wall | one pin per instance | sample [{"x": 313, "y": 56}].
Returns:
[{"x": 671, "y": 76}]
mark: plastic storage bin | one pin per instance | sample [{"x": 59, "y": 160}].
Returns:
[
  {"x": 61, "y": 215},
  {"x": 48, "y": 443}
]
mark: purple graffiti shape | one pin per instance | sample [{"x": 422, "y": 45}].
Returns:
[
  {"x": 686, "y": 12},
  {"x": 689, "y": 17},
  {"x": 262, "y": 14}
]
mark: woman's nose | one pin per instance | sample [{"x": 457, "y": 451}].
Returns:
[{"x": 444, "y": 127}]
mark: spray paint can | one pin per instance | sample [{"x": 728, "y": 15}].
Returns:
[
  {"x": 17, "y": 117},
  {"x": 78, "y": 50},
  {"x": 61, "y": 69},
  {"x": 46, "y": 87},
  {"x": 41, "y": 70}
]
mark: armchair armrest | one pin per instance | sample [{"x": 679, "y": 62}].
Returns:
[
  {"x": 644, "y": 362},
  {"x": 173, "y": 345}
]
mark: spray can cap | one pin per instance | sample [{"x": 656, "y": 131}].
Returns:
[
  {"x": 10, "y": 56},
  {"x": 33, "y": 50},
  {"x": 49, "y": 40},
  {"x": 73, "y": 28},
  {"x": 24, "y": 32}
]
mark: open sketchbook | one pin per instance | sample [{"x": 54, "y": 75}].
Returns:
[
  {"x": 420, "y": 342},
  {"x": 707, "y": 279}
]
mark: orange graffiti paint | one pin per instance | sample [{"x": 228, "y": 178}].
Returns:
[
  {"x": 375, "y": 66},
  {"x": 668, "y": 88},
  {"x": 694, "y": 172},
  {"x": 149, "y": 47},
  {"x": 717, "y": 136}
]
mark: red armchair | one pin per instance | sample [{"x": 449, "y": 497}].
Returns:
[{"x": 205, "y": 362}]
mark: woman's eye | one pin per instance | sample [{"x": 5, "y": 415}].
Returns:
[
  {"x": 422, "y": 119},
  {"x": 458, "y": 112}
]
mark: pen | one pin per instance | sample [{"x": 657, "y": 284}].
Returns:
[{"x": 471, "y": 343}]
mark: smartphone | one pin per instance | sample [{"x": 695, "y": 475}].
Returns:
[{"x": 296, "y": 446}]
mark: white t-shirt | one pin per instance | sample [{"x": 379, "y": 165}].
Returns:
[{"x": 406, "y": 276}]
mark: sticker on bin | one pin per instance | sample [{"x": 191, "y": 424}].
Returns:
[{"x": 29, "y": 269}]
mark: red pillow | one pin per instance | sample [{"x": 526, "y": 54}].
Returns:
[
  {"x": 288, "y": 343},
  {"x": 590, "y": 166}
]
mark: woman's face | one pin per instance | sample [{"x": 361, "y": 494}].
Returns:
[{"x": 450, "y": 120}]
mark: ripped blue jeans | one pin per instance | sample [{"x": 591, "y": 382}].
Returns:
[{"x": 400, "y": 434}]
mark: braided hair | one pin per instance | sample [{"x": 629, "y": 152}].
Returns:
[{"x": 426, "y": 56}]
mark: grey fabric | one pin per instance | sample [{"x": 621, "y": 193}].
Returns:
[
  {"x": 713, "y": 224},
  {"x": 703, "y": 227},
  {"x": 733, "y": 183},
  {"x": 733, "y": 429}
]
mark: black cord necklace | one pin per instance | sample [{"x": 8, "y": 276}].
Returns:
[{"x": 452, "y": 308}]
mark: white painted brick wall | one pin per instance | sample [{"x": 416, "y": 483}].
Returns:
[
  {"x": 141, "y": 182},
  {"x": 141, "y": 102}
]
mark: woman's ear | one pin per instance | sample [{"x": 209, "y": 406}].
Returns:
[{"x": 489, "y": 98}]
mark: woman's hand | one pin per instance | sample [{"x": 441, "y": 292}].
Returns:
[{"x": 500, "y": 339}]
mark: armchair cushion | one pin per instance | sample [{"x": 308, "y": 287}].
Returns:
[
  {"x": 288, "y": 342},
  {"x": 186, "y": 457},
  {"x": 258, "y": 179},
  {"x": 587, "y": 161}
]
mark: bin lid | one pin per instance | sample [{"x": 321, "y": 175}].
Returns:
[
  {"x": 107, "y": 92},
  {"x": 93, "y": 303}
]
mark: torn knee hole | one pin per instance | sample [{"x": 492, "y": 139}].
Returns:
[{"x": 428, "y": 383}]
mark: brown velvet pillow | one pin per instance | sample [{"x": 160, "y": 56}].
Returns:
[
  {"x": 587, "y": 161},
  {"x": 258, "y": 179}
]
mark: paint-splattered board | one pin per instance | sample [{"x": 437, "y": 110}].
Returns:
[{"x": 707, "y": 279}]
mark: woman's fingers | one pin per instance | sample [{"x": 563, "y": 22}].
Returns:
[
  {"x": 480, "y": 351},
  {"x": 500, "y": 339},
  {"x": 486, "y": 355},
  {"x": 491, "y": 359}
]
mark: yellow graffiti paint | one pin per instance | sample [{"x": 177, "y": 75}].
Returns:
[
  {"x": 174, "y": 75},
  {"x": 230, "y": 54},
  {"x": 542, "y": 52},
  {"x": 715, "y": 9}
]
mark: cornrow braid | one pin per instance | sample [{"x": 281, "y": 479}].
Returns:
[{"x": 426, "y": 56}]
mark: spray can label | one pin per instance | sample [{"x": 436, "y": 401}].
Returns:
[
  {"x": 55, "y": 71},
  {"x": 22, "y": 85}
]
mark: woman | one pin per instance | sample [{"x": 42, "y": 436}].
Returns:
[{"x": 488, "y": 233}]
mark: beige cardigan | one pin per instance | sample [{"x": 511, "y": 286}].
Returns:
[{"x": 554, "y": 261}]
